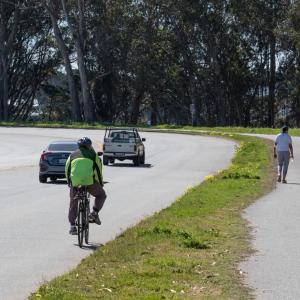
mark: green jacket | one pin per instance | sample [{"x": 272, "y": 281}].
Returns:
[{"x": 83, "y": 167}]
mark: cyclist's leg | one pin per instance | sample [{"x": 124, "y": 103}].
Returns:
[
  {"x": 73, "y": 207},
  {"x": 98, "y": 192}
]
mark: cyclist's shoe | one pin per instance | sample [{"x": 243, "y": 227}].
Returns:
[
  {"x": 73, "y": 230},
  {"x": 94, "y": 218}
]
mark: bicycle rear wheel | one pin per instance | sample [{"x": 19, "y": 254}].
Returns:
[
  {"x": 80, "y": 223},
  {"x": 87, "y": 225}
]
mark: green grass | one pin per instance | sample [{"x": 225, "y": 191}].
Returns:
[
  {"x": 73, "y": 125},
  {"x": 187, "y": 251},
  {"x": 273, "y": 131}
]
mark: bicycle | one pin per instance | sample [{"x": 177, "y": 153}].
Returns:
[{"x": 83, "y": 214}]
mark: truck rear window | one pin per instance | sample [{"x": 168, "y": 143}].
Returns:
[{"x": 122, "y": 136}]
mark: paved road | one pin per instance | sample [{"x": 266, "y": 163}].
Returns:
[
  {"x": 274, "y": 271},
  {"x": 35, "y": 245}
]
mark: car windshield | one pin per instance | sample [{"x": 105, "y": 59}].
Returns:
[{"x": 62, "y": 147}]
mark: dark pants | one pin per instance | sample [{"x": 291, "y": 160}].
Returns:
[{"x": 95, "y": 190}]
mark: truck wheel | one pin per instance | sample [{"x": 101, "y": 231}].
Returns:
[
  {"x": 137, "y": 160},
  {"x": 43, "y": 179},
  {"x": 105, "y": 160},
  {"x": 143, "y": 159}
]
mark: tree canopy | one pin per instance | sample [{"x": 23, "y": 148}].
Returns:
[{"x": 206, "y": 62}]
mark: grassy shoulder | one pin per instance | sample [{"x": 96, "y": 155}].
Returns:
[
  {"x": 71, "y": 125},
  {"x": 273, "y": 131},
  {"x": 187, "y": 251}
]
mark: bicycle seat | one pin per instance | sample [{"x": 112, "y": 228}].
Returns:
[{"x": 80, "y": 188}]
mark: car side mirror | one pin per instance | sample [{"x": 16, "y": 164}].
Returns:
[
  {"x": 143, "y": 140},
  {"x": 100, "y": 153}
]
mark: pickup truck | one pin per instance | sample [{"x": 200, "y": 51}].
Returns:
[{"x": 122, "y": 144}]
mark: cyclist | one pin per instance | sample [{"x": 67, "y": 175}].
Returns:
[{"x": 84, "y": 168}]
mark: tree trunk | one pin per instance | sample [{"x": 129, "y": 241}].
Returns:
[
  {"x": 6, "y": 43},
  {"x": 1, "y": 90},
  {"x": 218, "y": 87},
  {"x": 154, "y": 112},
  {"x": 89, "y": 107},
  {"x": 136, "y": 109},
  {"x": 5, "y": 92},
  {"x": 76, "y": 113},
  {"x": 124, "y": 104},
  {"x": 3, "y": 74},
  {"x": 193, "y": 107},
  {"x": 298, "y": 97},
  {"x": 272, "y": 83},
  {"x": 3, "y": 86}
]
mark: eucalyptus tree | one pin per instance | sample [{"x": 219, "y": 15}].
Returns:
[
  {"x": 74, "y": 15},
  {"x": 9, "y": 19},
  {"x": 112, "y": 28},
  {"x": 54, "y": 10},
  {"x": 27, "y": 57},
  {"x": 289, "y": 34}
]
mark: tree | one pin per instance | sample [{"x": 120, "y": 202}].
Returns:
[
  {"x": 76, "y": 23},
  {"x": 53, "y": 9},
  {"x": 8, "y": 12}
]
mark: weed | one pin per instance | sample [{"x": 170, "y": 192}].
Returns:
[{"x": 195, "y": 244}]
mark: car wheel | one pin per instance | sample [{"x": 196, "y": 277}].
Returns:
[
  {"x": 105, "y": 160},
  {"x": 143, "y": 159},
  {"x": 112, "y": 161},
  {"x": 53, "y": 178},
  {"x": 43, "y": 178},
  {"x": 137, "y": 160}
]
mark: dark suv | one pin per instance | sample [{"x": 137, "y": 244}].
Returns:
[{"x": 53, "y": 160}]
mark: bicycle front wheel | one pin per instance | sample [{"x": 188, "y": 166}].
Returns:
[{"x": 80, "y": 223}]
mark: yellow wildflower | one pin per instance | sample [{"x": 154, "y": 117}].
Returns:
[{"x": 209, "y": 177}]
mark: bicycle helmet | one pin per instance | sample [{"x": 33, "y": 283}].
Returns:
[{"x": 84, "y": 142}]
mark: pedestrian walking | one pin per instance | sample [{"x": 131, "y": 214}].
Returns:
[{"x": 283, "y": 151}]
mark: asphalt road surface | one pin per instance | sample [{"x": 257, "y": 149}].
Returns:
[
  {"x": 34, "y": 239},
  {"x": 274, "y": 271}
]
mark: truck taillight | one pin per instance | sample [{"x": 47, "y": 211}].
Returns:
[
  {"x": 134, "y": 148},
  {"x": 103, "y": 148}
]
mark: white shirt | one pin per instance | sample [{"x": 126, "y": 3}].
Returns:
[{"x": 283, "y": 140}]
